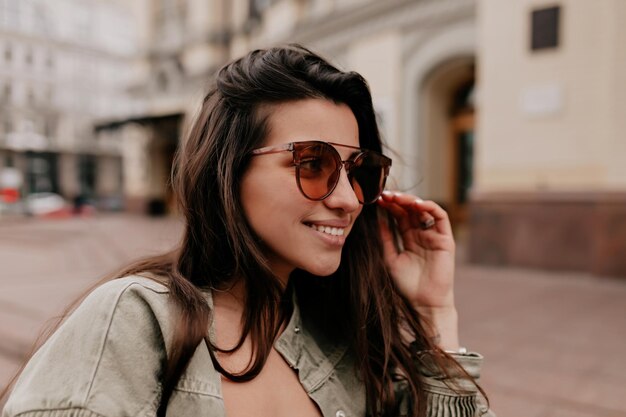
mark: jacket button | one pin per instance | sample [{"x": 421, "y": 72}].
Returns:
[
  {"x": 296, "y": 329},
  {"x": 340, "y": 413}
]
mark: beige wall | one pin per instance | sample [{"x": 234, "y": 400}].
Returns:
[
  {"x": 394, "y": 45},
  {"x": 68, "y": 175},
  {"x": 548, "y": 120},
  {"x": 204, "y": 20},
  {"x": 136, "y": 164},
  {"x": 378, "y": 59},
  {"x": 108, "y": 180},
  {"x": 617, "y": 158}
]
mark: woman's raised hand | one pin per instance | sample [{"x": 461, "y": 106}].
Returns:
[{"x": 423, "y": 269}]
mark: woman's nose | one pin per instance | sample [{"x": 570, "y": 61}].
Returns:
[{"x": 343, "y": 196}]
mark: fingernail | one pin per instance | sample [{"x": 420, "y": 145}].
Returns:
[
  {"x": 419, "y": 200},
  {"x": 387, "y": 193}
]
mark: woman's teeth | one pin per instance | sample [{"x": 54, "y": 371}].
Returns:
[{"x": 335, "y": 231}]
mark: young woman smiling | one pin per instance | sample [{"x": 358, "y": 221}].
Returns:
[{"x": 299, "y": 286}]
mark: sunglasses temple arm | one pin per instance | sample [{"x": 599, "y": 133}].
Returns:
[{"x": 272, "y": 149}]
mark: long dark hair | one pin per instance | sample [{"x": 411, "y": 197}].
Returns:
[{"x": 219, "y": 246}]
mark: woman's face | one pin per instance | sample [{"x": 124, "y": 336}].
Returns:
[{"x": 288, "y": 223}]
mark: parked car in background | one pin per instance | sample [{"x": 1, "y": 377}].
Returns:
[{"x": 46, "y": 205}]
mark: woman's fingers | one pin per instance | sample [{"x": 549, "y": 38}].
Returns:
[
  {"x": 406, "y": 213},
  {"x": 419, "y": 213},
  {"x": 400, "y": 214}
]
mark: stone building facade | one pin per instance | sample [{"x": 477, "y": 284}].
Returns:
[
  {"x": 418, "y": 57},
  {"x": 521, "y": 141},
  {"x": 61, "y": 68},
  {"x": 183, "y": 42},
  {"x": 550, "y": 178}
]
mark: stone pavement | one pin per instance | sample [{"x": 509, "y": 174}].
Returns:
[{"x": 555, "y": 343}]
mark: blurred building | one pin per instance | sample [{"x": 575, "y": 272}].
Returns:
[
  {"x": 417, "y": 55},
  {"x": 62, "y": 67},
  {"x": 550, "y": 160},
  {"x": 541, "y": 184},
  {"x": 183, "y": 43}
]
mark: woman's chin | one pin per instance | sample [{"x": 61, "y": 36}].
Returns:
[{"x": 323, "y": 269}]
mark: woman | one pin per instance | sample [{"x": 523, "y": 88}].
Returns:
[{"x": 297, "y": 289}]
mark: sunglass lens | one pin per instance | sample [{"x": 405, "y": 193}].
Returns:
[
  {"x": 318, "y": 170},
  {"x": 368, "y": 177}
]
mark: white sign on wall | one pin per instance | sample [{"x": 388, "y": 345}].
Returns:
[{"x": 541, "y": 100}]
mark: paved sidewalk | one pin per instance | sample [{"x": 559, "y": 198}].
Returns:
[{"x": 554, "y": 342}]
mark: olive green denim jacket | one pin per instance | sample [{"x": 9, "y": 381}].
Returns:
[{"x": 106, "y": 360}]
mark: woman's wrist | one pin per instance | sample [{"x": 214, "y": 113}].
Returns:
[{"x": 442, "y": 325}]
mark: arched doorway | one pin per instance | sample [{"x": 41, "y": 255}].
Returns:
[
  {"x": 461, "y": 159},
  {"x": 447, "y": 126}
]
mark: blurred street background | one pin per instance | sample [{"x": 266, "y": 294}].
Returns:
[
  {"x": 511, "y": 114},
  {"x": 553, "y": 343}
]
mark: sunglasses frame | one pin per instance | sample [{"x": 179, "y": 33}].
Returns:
[{"x": 294, "y": 147}]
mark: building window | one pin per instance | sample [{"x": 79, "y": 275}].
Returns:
[
  {"x": 257, "y": 7},
  {"x": 545, "y": 24},
  {"x": 29, "y": 56},
  {"x": 30, "y": 97},
  {"x": 49, "y": 127},
  {"x": 170, "y": 12},
  {"x": 49, "y": 61},
  {"x": 7, "y": 92},
  {"x": 87, "y": 174}
]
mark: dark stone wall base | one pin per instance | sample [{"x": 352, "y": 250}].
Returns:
[{"x": 555, "y": 231}]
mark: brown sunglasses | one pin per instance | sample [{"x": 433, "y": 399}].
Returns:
[{"x": 318, "y": 165}]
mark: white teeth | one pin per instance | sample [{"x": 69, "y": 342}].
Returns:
[{"x": 334, "y": 231}]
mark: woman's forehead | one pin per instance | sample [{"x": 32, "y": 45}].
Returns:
[{"x": 311, "y": 119}]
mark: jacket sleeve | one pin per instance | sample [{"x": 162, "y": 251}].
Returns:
[
  {"x": 106, "y": 359},
  {"x": 448, "y": 396}
]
